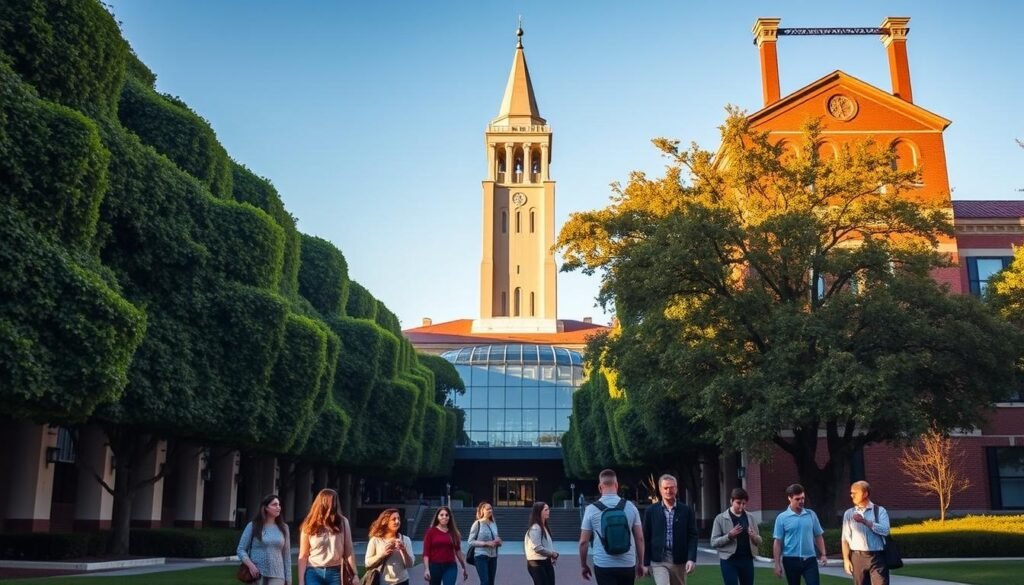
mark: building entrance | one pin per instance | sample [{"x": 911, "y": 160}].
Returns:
[{"x": 514, "y": 491}]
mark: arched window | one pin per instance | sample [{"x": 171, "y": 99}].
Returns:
[
  {"x": 533, "y": 304},
  {"x": 504, "y": 221},
  {"x": 519, "y": 222},
  {"x": 515, "y": 301},
  {"x": 533, "y": 220},
  {"x": 827, "y": 151},
  {"x": 906, "y": 155}
]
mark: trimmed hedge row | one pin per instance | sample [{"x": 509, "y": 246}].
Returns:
[{"x": 162, "y": 542}]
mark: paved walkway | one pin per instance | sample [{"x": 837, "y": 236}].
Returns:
[{"x": 512, "y": 567}]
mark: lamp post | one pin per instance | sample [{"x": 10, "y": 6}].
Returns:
[{"x": 572, "y": 486}]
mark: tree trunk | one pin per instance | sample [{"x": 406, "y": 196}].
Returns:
[
  {"x": 821, "y": 484},
  {"x": 121, "y": 521}
]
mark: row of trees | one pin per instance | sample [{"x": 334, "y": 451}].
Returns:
[
  {"x": 771, "y": 300},
  {"x": 154, "y": 286}
]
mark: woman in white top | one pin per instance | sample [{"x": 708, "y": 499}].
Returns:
[
  {"x": 325, "y": 544},
  {"x": 484, "y": 536},
  {"x": 389, "y": 550},
  {"x": 540, "y": 554}
]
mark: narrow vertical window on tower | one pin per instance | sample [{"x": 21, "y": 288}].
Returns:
[
  {"x": 504, "y": 221},
  {"x": 504, "y": 304},
  {"x": 519, "y": 221},
  {"x": 533, "y": 304},
  {"x": 516, "y": 297},
  {"x": 533, "y": 220}
]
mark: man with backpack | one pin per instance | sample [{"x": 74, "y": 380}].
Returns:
[
  {"x": 619, "y": 546},
  {"x": 670, "y": 531}
]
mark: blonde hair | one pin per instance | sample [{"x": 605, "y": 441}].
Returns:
[{"x": 480, "y": 513}]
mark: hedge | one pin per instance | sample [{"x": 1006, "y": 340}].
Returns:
[{"x": 161, "y": 542}]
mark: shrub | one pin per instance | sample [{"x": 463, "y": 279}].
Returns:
[
  {"x": 558, "y": 497},
  {"x": 464, "y": 496},
  {"x": 52, "y": 546},
  {"x": 185, "y": 542}
]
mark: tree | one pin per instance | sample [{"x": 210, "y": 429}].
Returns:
[
  {"x": 787, "y": 301},
  {"x": 933, "y": 466}
]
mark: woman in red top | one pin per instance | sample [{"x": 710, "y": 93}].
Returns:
[{"x": 442, "y": 546}]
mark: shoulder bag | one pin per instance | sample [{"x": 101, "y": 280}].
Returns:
[
  {"x": 890, "y": 550},
  {"x": 471, "y": 551},
  {"x": 243, "y": 573}
]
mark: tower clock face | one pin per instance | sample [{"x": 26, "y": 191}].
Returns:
[{"x": 519, "y": 199}]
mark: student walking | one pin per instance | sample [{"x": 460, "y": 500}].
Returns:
[
  {"x": 735, "y": 536},
  {"x": 799, "y": 545},
  {"x": 389, "y": 549},
  {"x": 540, "y": 553},
  {"x": 619, "y": 546},
  {"x": 483, "y": 535},
  {"x": 265, "y": 546},
  {"x": 325, "y": 544},
  {"x": 442, "y": 547},
  {"x": 670, "y": 533},
  {"x": 865, "y": 527}
]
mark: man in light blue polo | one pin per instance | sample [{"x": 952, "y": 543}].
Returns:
[{"x": 799, "y": 544}]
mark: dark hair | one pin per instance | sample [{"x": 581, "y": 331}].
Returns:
[
  {"x": 739, "y": 494},
  {"x": 453, "y": 530},
  {"x": 379, "y": 528},
  {"x": 257, "y": 521},
  {"x": 794, "y": 490},
  {"x": 537, "y": 517}
]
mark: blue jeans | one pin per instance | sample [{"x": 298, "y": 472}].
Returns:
[
  {"x": 443, "y": 573},
  {"x": 795, "y": 567},
  {"x": 323, "y": 576},
  {"x": 737, "y": 571},
  {"x": 486, "y": 567}
]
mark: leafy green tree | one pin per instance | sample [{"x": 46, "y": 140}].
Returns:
[
  {"x": 446, "y": 378},
  {"x": 788, "y": 301}
]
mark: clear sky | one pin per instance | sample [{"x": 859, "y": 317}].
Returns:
[{"x": 368, "y": 117}]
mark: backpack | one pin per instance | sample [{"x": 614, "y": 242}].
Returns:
[{"x": 615, "y": 529}]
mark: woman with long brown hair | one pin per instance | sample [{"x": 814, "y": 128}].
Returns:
[
  {"x": 390, "y": 549},
  {"x": 325, "y": 543},
  {"x": 442, "y": 546},
  {"x": 265, "y": 547},
  {"x": 540, "y": 554}
]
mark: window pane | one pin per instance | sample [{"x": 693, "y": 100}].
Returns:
[
  {"x": 1011, "y": 462},
  {"x": 530, "y": 397},
  {"x": 513, "y": 397},
  {"x": 547, "y": 373},
  {"x": 530, "y": 372},
  {"x": 531, "y": 422},
  {"x": 479, "y": 417},
  {"x": 547, "y": 354},
  {"x": 478, "y": 438},
  {"x": 514, "y": 375},
  {"x": 495, "y": 420},
  {"x": 496, "y": 397},
  {"x": 562, "y": 419},
  {"x": 547, "y": 420},
  {"x": 1013, "y": 493},
  {"x": 563, "y": 397},
  {"x": 478, "y": 396},
  {"x": 514, "y": 354}
]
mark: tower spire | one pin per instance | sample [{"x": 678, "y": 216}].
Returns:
[{"x": 519, "y": 106}]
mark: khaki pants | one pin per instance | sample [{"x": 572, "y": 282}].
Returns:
[{"x": 668, "y": 573}]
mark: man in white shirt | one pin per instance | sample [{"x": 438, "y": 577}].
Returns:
[{"x": 865, "y": 527}]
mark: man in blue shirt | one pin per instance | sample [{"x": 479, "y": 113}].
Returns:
[
  {"x": 611, "y": 569},
  {"x": 799, "y": 544},
  {"x": 865, "y": 527}
]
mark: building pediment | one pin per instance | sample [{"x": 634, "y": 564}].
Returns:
[{"x": 847, "y": 105}]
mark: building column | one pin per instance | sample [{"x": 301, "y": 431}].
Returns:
[
  {"x": 190, "y": 462},
  {"x": 543, "y": 162},
  {"x": 320, "y": 478},
  {"x": 223, "y": 465},
  {"x": 510, "y": 164},
  {"x": 148, "y": 501},
  {"x": 29, "y": 476},
  {"x": 287, "y": 491},
  {"x": 708, "y": 494},
  {"x": 492, "y": 161},
  {"x": 94, "y": 505},
  {"x": 528, "y": 162}
]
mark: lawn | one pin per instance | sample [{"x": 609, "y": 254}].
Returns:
[
  {"x": 711, "y": 575},
  {"x": 976, "y": 572}
]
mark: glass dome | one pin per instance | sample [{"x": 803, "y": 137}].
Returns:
[{"x": 517, "y": 395}]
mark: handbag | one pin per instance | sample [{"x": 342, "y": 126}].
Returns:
[
  {"x": 891, "y": 552},
  {"x": 371, "y": 577},
  {"x": 244, "y": 575},
  {"x": 471, "y": 555}
]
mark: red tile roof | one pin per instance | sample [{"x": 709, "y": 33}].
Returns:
[
  {"x": 460, "y": 331},
  {"x": 987, "y": 209}
]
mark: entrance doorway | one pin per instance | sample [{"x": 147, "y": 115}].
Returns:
[{"x": 514, "y": 491}]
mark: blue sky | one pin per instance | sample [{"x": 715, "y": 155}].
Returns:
[{"x": 369, "y": 116}]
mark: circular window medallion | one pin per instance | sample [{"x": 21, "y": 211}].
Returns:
[
  {"x": 842, "y": 107},
  {"x": 519, "y": 199}
]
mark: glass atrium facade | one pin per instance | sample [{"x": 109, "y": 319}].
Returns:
[{"x": 517, "y": 395}]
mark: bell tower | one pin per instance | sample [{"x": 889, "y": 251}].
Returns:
[{"x": 517, "y": 271}]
